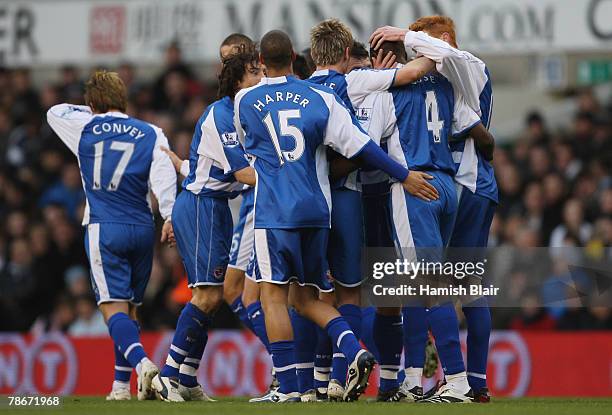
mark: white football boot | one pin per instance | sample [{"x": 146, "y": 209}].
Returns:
[
  {"x": 167, "y": 389},
  {"x": 119, "y": 395},
  {"x": 448, "y": 394},
  {"x": 309, "y": 396},
  {"x": 335, "y": 391},
  {"x": 195, "y": 393},
  {"x": 148, "y": 371},
  {"x": 359, "y": 372}
]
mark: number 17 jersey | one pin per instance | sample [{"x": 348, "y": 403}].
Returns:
[{"x": 120, "y": 159}]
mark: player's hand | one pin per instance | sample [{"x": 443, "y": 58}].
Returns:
[
  {"x": 387, "y": 34},
  {"x": 176, "y": 160},
  {"x": 167, "y": 234},
  {"x": 383, "y": 61},
  {"x": 417, "y": 184}
]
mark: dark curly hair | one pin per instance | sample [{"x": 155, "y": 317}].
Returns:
[{"x": 233, "y": 71}]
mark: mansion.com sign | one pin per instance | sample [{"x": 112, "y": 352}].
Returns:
[{"x": 103, "y": 31}]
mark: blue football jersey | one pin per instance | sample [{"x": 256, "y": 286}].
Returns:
[
  {"x": 473, "y": 171},
  {"x": 424, "y": 114},
  {"x": 215, "y": 153},
  {"x": 353, "y": 88},
  {"x": 471, "y": 80},
  {"x": 120, "y": 160},
  {"x": 285, "y": 124}
]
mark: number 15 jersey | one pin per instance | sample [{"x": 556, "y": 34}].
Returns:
[{"x": 285, "y": 123}]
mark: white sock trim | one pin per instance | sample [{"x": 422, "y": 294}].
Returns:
[
  {"x": 414, "y": 371},
  {"x": 191, "y": 360},
  {"x": 171, "y": 362},
  {"x": 306, "y": 365},
  {"x": 337, "y": 355},
  {"x": 321, "y": 376},
  {"x": 341, "y": 336},
  {"x": 130, "y": 348},
  {"x": 187, "y": 370},
  {"x": 388, "y": 374},
  {"x": 284, "y": 368},
  {"x": 177, "y": 350},
  {"x": 477, "y": 375},
  {"x": 123, "y": 369},
  {"x": 456, "y": 376}
]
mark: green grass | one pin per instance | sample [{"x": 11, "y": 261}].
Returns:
[{"x": 97, "y": 406}]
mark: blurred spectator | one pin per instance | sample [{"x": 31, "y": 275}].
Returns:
[
  {"x": 70, "y": 87},
  {"x": 536, "y": 132},
  {"x": 176, "y": 84},
  {"x": 573, "y": 225},
  {"x": 89, "y": 321},
  {"x": 25, "y": 104},
  {"x": 67, "y": 192},
  {"x": 58, "y": 320},
  {"x": 532, "y": 316},
  {"x": 18, "y": 288}
]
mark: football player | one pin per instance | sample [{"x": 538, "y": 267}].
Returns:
[
  {"x": 434, "y": 37},
  {"x": 120, "y": 159},
  {"x": 216, "y": 170}
]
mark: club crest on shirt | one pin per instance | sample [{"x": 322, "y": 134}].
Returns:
[
  {"x": 363, "y": 114},
  {"x": 219, "y": 272},
  {"x": 229, "y": 139}
]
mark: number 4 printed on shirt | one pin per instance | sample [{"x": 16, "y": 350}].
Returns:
[{"x": 434, "y": 124}]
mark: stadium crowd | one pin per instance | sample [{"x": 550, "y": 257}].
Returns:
[{"x": 555, "y": 190}]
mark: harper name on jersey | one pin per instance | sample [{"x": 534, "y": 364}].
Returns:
[
  {"x": 289, "y": 148},
  {"x": 286, "y": 96}
]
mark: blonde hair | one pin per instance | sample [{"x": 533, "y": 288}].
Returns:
[
  {"x": 328, "y": 42},
  {"x": 105, "y": 91},
  {"x": 436, "y": 26}
]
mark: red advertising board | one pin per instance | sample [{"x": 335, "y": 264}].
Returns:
[{"x": 235, "y": 363}]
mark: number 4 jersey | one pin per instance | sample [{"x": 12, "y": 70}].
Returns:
[
  {"x": 120, "y": 159},
  {"x": 423, "y": 116},
  {"x": 285, "y": 123}
]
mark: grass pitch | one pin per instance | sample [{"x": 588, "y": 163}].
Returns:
[{"x": 98, "y": 406}]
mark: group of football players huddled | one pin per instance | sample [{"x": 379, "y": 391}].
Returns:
[{"x": 340, "y": 147}]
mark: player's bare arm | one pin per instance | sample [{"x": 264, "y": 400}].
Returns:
[
  {"x": 413, "y": 70},
  {"x": 246, "y": 176},
  {"x": 484, "y": 140},
  {"x": 167, "y": 234},
  {"x": 417, "y": 184},
  {"x": 176, "y": 160},
  {"x": 341, "y": 167},
  {"x": 384, "y": 61},
  {"x": 387, "y": 34}
]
